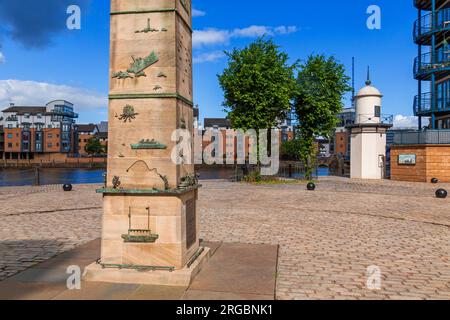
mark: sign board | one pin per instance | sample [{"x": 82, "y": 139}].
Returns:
[{"x": 407, "y": 159}]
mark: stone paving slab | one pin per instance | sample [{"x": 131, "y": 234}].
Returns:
[
  {"x": 215, "y": 295},
  {"x": 48, "y": 279},
  {"x": 240, "y": 268}
]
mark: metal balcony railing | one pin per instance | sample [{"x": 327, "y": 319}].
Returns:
[
  {"x": 64, "y": 113},
  {"x": 387, "y": 119},
  {"x": 431, "y": 23},
  {"x": 432, "y": 62},
  {"x": 423, "y": 104},
  {"x": 427, "y": 4},
  {"x": 421, "y": 137}
]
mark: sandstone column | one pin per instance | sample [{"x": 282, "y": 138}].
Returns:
[{"x": 150, "y": 220}]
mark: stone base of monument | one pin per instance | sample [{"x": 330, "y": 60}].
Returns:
[{"x": 176, "y": 278}]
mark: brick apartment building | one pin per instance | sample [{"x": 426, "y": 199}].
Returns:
[
  {"x": 91, "y": 131},
  {"x": 340, "y": 142},
  {"x": 38, "y": 132}
]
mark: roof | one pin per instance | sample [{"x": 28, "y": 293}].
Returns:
[
  {"x": 103, "y": 126},
  {"x": 101, "y": 135},
  {"x": 24, "y": 109},
  {"x": 369, "y": 91},
  {"x": 87, "y": 127},
  {"x": 219, "y": 122}
]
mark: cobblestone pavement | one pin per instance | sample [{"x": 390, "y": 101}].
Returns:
[
  {"x": 37, "y": 223},
  {"x": 327, "y": 238}
]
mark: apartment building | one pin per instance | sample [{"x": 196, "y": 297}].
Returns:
[
  {"x": 33, "y": 132},
  {"x": 85, "y": 133},
  {"x": 432, "y": 64},
  {"x": 222, "y": 127},
  {"x": 340, "y": 142}
]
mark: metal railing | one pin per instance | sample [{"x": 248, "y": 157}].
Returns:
[
  {"x": 431, "y": 62},
  {"x": 367, "y": 119},
  {"x": 423, "y": 104},
  {"x": 430, "y": 23},
  {"x": 65, "y": 113},
  {"x": 421, "y": 137}
]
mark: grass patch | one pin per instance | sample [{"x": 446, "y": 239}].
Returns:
[{"x": 255, "y": 178}]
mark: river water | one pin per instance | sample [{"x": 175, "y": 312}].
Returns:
[{"x": 24, "y": 177}]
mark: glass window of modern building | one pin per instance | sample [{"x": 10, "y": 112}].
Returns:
[{"x": 432, "y": 64}]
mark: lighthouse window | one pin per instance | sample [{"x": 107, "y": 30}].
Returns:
[{"x": 377, "y": 111}]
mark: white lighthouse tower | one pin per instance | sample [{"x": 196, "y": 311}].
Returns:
[{"x": 368, "y": 135}]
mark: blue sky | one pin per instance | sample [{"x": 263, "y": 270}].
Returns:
[{"x": 40, "y": 62}]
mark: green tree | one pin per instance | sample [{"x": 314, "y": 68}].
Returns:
[
  {"x": 322, "y": 83},
  {"x": 259, "y": 85},
  {"x": 93, "y": 146},
  {"x": 290, "y": 150}
]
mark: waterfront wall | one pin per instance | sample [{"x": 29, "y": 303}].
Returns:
[
  {"x": 55, "y": 163},
  {"x": 432, "y": 161}
]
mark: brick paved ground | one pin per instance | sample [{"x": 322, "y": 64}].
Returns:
[
  {"x": 327, "y": 238},
  {"x": 37, "y": 223}
]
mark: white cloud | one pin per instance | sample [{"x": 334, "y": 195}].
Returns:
[
  {"x": 210, "y": 37},
  {"x": 217, "y": 36},
  {"x": 2, "y": 58},
  {"x": 39, "y": 93},
  {"x": 405, "y": 122},
  {"x": 208, "y": 57},
  {"x": 198, "y": 13},
  {"x": 252, "y": 32},
  {"x": 286, "y": 30}
]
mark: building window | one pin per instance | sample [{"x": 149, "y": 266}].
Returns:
[
  {"x": 49, "y": 126},
  {"x": 50, "y": 136},
  {"x": 10, "y": 145},
  {"x": 50, "y": 145},
  {"x": 10, "y": 135},
  {"x": 377, "y": 111}
]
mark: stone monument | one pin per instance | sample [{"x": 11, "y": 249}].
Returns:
[{"x": 150, "y": 222}]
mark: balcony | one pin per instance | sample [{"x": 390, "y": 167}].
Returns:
[
  {"x": 426, "y": 4},
  {"x": 429, "y": 63},
  {"x": 430, "y": 24},
  {"x": 384, "y": 119},
  {"x": 421, "y": 137},
  {"x": 423, "y": 105},
  {"x": 12, "y": 118},
  {"x": 65, "y": 113}
]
